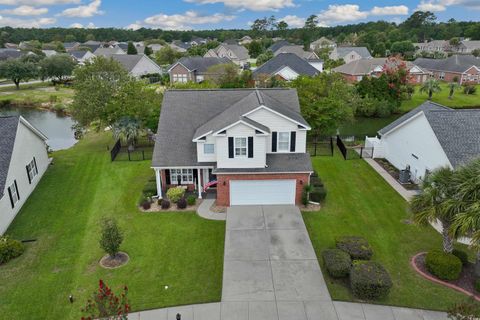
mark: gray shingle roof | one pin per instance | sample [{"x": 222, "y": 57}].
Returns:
[
  {"x": 277, "y": 162},
  {"x": 296, "y": 49},
  {"x": 185, "y": 111},
  {"x": 362, "y": 51},
  {"x": 277, "y": 45},
  {"x": 78, "y": 54},
  {"x": 291, "y": 60},
  {"x": 8, "y": 133},
  {"x": 107, "y": 52},
  {"x": 240, "y": 51},
  {"x": 10, "y": 54},
  {"x": 456, "y": 63},
  {"x": 201, "y": 64},
  {"x": 367, "y": 66},
  {"x": 128, "y": 61}
]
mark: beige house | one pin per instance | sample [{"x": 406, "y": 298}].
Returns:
[{"x": 236, "y": 53}]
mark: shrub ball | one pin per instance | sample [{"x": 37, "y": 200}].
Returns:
[
  {"x": 337, "y": 262},
  {"x": 443, "y": 265},
  {"x": 191, "y": 200},
  {"x": 182, "y": 203},
  {"x": 369, "y": 280},
  {"x": 10, "y": 249},
  {"x": 165, "y": 204},
  {"x": 357, "y": 247}
]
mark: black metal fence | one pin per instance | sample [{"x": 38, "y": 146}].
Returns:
[
  {"x": 142, "y": 150},
  {"x": 115, "y": 150},
  {"x": 351, "y": 149},
  {"x": 320, "y": 145}
]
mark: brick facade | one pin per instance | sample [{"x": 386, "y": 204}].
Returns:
[{"x": 223, "y": 187}]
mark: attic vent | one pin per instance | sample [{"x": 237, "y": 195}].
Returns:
[
  {"x": 223, "y": 132},
  {"x": 258, "y": 132},
  {"x": 203, "y": 138},
  {"x": 301, "y": 127}
]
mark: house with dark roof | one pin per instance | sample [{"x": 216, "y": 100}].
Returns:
[
  {"x": 82, "y": 56},
  {"x": 355, "y": 71},
  {"x": 236, "y": 53},
  {"x": 250, "y": 144},
  {"x": 107, "y": 52},
  {"x": 298, "y": 50},
  {"x": 180, "y": 46},
  {"x": 92, "y": 44},
  {"x": 322, "y": 43},
  {"x": 23, "y": 161},
  {"x": 462, "y": 68},
  {"x": 278, "y": 44},
  {"x": 137, "y": 65},
  {"x": 11, "y": 54},
  {"x": 287, "y": 67},
  {"x": 71, "y": 46},
  {"x": 429, "y": 137},
  {"x": 195, "y": 69},
  {"x": 349, "y": 54}
]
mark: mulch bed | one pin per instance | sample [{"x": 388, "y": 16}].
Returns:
[
  {"x": 173, "y": 207},
  {"x": 311, "y": 207},
  {"x": 120, "y": 260},
  {"x": 464, "y": 284},
  {"x": 395, "y": 173}
]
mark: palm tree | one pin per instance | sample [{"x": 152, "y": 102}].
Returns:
[
  {"x": 452, "y": 86},
  {"x": 127, "y": 129},
  {"x": 430, "y": 205},
  {"x": 431, "y": 86},
  {"x": 467, "y": 223}
]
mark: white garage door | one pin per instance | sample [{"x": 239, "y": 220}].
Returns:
[{"x": 254, "y": 192}]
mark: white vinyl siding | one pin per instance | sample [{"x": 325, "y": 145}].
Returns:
[
  {"x": 287, "y": 74},
  {"x": 262, "y": 192},
  {"x": 202, "y": 156},
  {"x": 208, "y": 148},
  {"x": 145, "y": 66}
]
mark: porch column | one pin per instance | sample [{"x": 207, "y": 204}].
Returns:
[
  {"x": 199, "y": 183},
  {"x": 159, "y": 183}
]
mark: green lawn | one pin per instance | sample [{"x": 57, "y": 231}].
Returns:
[
  {"x": 360, "y": 202},
  {"x": 180, "y": 250},
  {"x": 36, "y": 93},
  {"x": 460, "y": 100}
]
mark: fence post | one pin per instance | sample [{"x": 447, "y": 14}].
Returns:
[
  {"x": 361, "y": 152},
  {"x": 143, "y": 154},
  {"x": 331, "y": 145},
  {"x": 128, "y": 155}
]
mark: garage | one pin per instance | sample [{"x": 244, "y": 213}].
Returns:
[{"x": 258, "y": 192}]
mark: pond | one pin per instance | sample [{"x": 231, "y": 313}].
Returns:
[
  {"x": 367, "y": 126},
  {"x": 56, "y": 126}
]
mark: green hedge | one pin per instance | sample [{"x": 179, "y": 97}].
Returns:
[
  {"x": 337, "y": 262},
  {"x": 370, "y": 280},
  {"x": 191, "y": 200},
  {"x": 10, "y": 249},
  {"x": 357, "y": 247},
  {"x": 445, "y": 266},
  {"x": 318, "y": 194}
]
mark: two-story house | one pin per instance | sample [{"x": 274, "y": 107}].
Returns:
[
  {"x": 252, "y": 142},
  {"x": 195, "y": 69},
  {"x": 236, "y": 53}
]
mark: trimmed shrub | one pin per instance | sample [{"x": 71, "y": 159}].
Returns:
[
  {"x": 318, "y": 194},
  {"x": 191, "y": 200},
  {"x": 159, "y": 202},
  {"x": 369, "y": 280},
  {"x": 146, "y": 204},
  {"x": 462, "y": 255},
  {"x": 10, "y": 249},
  {"x": 165, "y": 204},
  {"x": 337, "y": 262},
  {"x": 443, "y": 265},
  {"x": 469, "y": 89},
  {"x": 357, "y": 247},
  {"x": 316, "y": 181},
  {"x": 175, "y": 194},
  {"x": 182, "y": 203}
]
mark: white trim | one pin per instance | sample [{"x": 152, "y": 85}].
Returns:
[
  {"x": 289, "y": 142},
  {"x": 158, "y": 177},
  {"x": 200, "y": 137},
  {"x": 264, "y": 173},
  {"x": 184, "y": 167},
  {"x": 235, "y": 147},
  {"x": 403, "y": 123},
  {"x": 178, "y": 62},
  {"x": 32, "y": 128},
  {"x": 237, "y": 123},
  {"x": 307, "y": 127}
]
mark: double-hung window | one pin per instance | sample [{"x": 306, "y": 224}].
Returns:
[
  {"x": 13, "y": 192},
  {"x": 240, "y": 147},
  {"x": 32, "y": 170},
  {"x": 208, "y": 148},
  {"x": 283, "y": 141},
  {"x": 185, "y": 175}
]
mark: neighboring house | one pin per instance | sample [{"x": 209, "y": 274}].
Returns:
[
  {"x": 10, "y": 54},
  {"x": 322, "y": 43},
  {"x": 465, "y": 68},
  {"x": 356, "y": 70},
  {"x": 245, "y": 40},
  {"x": 155, "y": 47},
  {"x": 49, "y": 53},
  {"x": 82, "y": 56},
  {"x": 137, "y": 65},
  {"x": 180, "y": 46},
  {"x": 236, "y": 53},
  {"x": 251, "y": 142},
  {"x": 349, "y": 54},
  {"x": 23, "y": 161},
  {"x": 287, "y": 66},
  {"x": 298, "y": 50},
  {"x": 71, "y": 46},
  {"x": 93, "y": 45},
  {"x": 278, "y": 44},
  {"x": 429, "y": 137},
  {"x": 108, "y": 52},
  {"x": 11, "y": 45},
  {"x": 467, "y": 47},
  {"x": 194, "y": 69},
  {"x": 196, "y": 41},
  {"x": 121, "y": 45},
  {"x": 433, "y": 46}
]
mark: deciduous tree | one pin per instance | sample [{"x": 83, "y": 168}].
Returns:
[{"x": 18, "y": 71}]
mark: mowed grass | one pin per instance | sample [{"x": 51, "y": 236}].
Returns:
[
  {"x": 36, "y": 93},
  {"x": 179, "y": 250},
  {"x": 360, "y": 202}
]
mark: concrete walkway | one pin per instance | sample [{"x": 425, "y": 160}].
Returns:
[
  {"x": 271, "y": 272},
  {"x": 204, "y": 211}
]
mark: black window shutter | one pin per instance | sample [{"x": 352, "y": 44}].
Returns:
[
  {"x": 35, "y": 163},
  {"x": 16, "y": 188},
  {"x": 167, "y": 177},
  {"x": 250, "y": 147},
  {"x": 28, "y": 174},
  {"x": 274, "y": 141},
  {"x": 230, "y": 147},
  {"x": 293, "y": 141},
  {"x": 11, "y": 198}
]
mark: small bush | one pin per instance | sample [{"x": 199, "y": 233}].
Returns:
[
  {"x": 150, "y": 189},
  {"x": 191, "y": 200},
  {"x": 462, "y": 255},
  {"x": 111, "y": 237},
  {"x": 182, "y": 203},
  {"x": 175, "y": 194},
  {"x": 10, "y": 249},
  {"x": 318, "y": 194},
  {"x": 465, "y": 310},
  {"x": 337, "y": 262},
  {"x": 357, "y": 247},
  {"x": 165, "y": 204},
  {"x": 443, "y": 265},
  {"x": 159, "y": 202},
  {"x": 469, "y": 89},
  {"x": 146, "y": 204},
  {"x": 316, "y": 181},
  {"x": 369, "y": 280}
]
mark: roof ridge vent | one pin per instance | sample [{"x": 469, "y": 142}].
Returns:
[{"x": 259, "y": 96}]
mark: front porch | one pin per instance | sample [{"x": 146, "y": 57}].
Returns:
[{"x": 193, "y": 179}]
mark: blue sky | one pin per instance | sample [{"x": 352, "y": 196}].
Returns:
[{"x": 208, "y": 14}]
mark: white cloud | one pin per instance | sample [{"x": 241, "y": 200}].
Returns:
[
  {"x": 184, "y": 21},
  {"x": 431, "y": 6},
  {"x": 389, "y": 10},
  {"x": 26, "y": 23},
  {"x": 441, "y": 5},
  {"x": 134, "y": 26},
  {"x": 293, "y": 21},
  {"x": 341, "y": 13},
  {"x": 25, "y": 11},
  {"x": 76, "y": 25},
  {"x": 84, "y": 11},
  {"x": 91, "y": 25},
  {"x": 37, "y": 2},
  {"x": 254, "y": 5}
]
